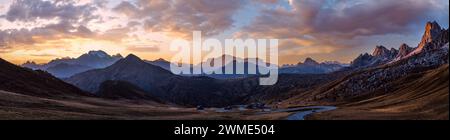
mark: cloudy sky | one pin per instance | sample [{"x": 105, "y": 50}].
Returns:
[{"x": 41, "y": 30}]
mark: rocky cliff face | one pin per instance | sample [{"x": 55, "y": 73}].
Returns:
[
  {"x": 433, "y": 38},
  {"x": 432, "y": 31},
  {"x": 380, "y": 55},
  {"x": 379, "y": 78},
  {"x": 404, "y": 50},
  {"x": 380, "y": 51},
  {"x": 431, "y": 53}
]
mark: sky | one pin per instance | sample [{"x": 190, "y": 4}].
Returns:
[{"x": 325, "y": 30}]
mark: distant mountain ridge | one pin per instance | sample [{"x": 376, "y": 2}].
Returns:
[
  {"x": 66, "y": 67},
  {"x": 380, "y": 55},
  {"x": 184, "y": 90},
  {"x": 154, "y": 81},
  {"x": 160, "y": 63},
  {"x": 227, "y": 61},
  {"x": 311, "y": 66}
]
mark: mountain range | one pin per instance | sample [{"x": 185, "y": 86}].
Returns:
[
  {"x": 433, "y": 38},
  {"x": 413, "y": 84},
  {"x": 310, "y": 66},
  {"x": 131, "y": 69},
  {"x": 155, "y": 81},
  {"x": 367, "y": 72},
  {"x": 66, "y": 67},
  {"x": 394, "y": 83}
]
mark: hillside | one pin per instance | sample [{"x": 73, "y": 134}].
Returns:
[
  {"x": 419, "y": 96},
  {"x": 131, "y": 69},
  {"x": 412, "y": 86},
  {"x": 156, "y": 82},
  {"x": 123, "y": 90},
  {"x": 36, "y": 83}
]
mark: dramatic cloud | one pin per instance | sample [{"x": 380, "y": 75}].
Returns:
[
  {"x": 346, "y": 18},
  {"x": 181, "y": 17},
  {"x": 60, "y": 19},
  {"x": 51, "y": 31},
  {"x": 65, "y": 10},
  {"x": 322, "y": 29},
  {"x": 327, "y": 23}
]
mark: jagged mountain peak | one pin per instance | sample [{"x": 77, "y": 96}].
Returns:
[
  {"x": 31, "y": 65},
  {"x": 393, "y": 50},
  {"x": 118, "y": 55},
  {"x": 432, "y": 30},
  {"x": 404, "y": 45},
  {"x": 30, "y": 62},
  {"x": 310, "y": 61},
  {"x": 99, "y": 53},
  {"x": 434, "y": 37},
  {"x": 432, "y": 26},
  {"x": 161, "y": 60},
  {"x": 380, "y": 51},
  {"x": 380, "y": 55},
  {"x": 133, "y": 61},
  {"x": 404, "y": 50},
  {"x": 332, "y": 63},
  {"x": 91, "y": 60}
]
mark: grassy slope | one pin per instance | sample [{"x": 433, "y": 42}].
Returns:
[
  {"x": 19, "y": 106},
  {"x": 419, "y": 96},
  {"x": 15, "y": 106}
]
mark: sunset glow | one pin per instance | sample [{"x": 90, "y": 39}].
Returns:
[{"x": 56, "y": 29}]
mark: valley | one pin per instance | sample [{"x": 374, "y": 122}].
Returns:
[{"x": 16, "y": 106}]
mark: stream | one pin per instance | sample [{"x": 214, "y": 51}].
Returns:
[
  {"x": 300, "y": 115},
  {"x": 300, "y": 112}
]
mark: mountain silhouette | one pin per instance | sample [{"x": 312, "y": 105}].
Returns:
[
  {"x": 35, "y": 83},
  {"x": 131, "y": 69},
  {"x": 66, "y": 67},
  {"x": 311, "y": 66}
]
